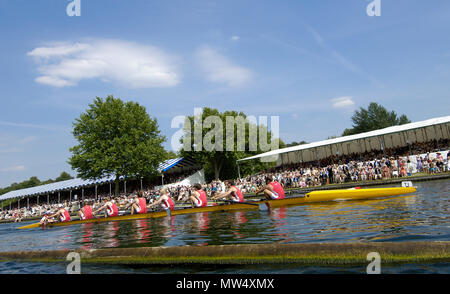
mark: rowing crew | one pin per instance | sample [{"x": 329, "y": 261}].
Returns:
[
  {"x": 62, "y": 215},
  {"x": 272, "y": 191},
  {"x": 110, "y": 209}
]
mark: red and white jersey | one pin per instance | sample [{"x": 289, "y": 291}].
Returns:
[
  {"x": 112, "y": 209},
  {"x": 86, "y": 212},
  {"x": 142, "y": 206},
  {"x": 277, "y": 189},
  {"x": 237, "y": 195},
  {"x": 203, "y": 201},
  {"x": 64, "y": 216},
  {"x": 168, "y": 203}
]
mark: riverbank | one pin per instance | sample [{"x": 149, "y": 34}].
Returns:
[{"x": 324, "y": 254}]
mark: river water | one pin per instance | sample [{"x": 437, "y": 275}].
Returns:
[{"x": 421, "y": 216}]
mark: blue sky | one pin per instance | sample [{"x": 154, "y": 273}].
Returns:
[{"x": 312, "y": 63}]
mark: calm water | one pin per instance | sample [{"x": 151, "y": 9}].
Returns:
[{"x": 421, "y": 216}]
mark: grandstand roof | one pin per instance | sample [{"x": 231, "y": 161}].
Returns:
[
  {"x": 357, "y": 137},
  {"x": 177, "y": 162},
  {"x": 80, "y": 183}
]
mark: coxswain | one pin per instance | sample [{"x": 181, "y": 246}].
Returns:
[
  {"x": 139, "y": 205},
  {"x": 198, "y": 197},
  {"x": 109, "y": 207},
  {"x": 272, "y": 190},
  {"x": 62, "y": 214},
  {"x": 164, "y": 200},
  {"x": 233, "y": 193},
  {"x": 86, "y": 211}
]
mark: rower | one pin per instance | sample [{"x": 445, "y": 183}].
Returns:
[
  {"x": 272, "y": 190},
  {"x": 110, "y": 208},
  {"x": 139, "y": 205},
  {"x": 62, "y": 214},
  {"x": 164, "y": 200},
  {"x": 233, "y": 193},
  {"x": 198, "y": 197},
  {"x": 86, "y": 211},
  {"x": 46, "y": 219}
]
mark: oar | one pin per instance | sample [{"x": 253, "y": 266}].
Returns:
[{"x": 263, "y": 206}]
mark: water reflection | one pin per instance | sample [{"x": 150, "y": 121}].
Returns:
[
  {"x": 110, "y": 234},
  {"x": 87, "y": 235},
  {"x": 142, "y": 231}
]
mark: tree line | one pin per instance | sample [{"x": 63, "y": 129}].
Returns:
[{"x": 33, "y": 182}]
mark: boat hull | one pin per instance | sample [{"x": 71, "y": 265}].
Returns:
[{"x": 312, "y": 197}]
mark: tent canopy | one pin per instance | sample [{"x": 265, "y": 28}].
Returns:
[
  {"x": 74, "y": 184},
  {"x": 177, "y": 164},
  {"x": 396, "y": 136}
]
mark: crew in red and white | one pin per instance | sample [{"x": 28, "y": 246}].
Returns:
[
  {"x": 62, "y": 214},
  {"x": 198, "y": 197},
  {"x": 86, "y": 211},
  {"x": 233, "y": 193},
  {"x": 139, "y": 205},
  {"x": 164, "y": 200},
  {"x": 272, "y": 190},
  {"x": 109, "y": 207}
]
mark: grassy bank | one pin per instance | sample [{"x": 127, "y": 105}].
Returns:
[{"x": 305, "y": 254}]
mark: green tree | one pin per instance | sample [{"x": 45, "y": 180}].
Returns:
[
  {"x": 373, "y": 118},
  {"x": 63, "y": 177},
  {"x": 220, "y": 160},
  {"x": 171, "y": 155},
  {"x": 33, "y": 182},
  {"x": 295, "y": 143},
  {"x": 116, "y": 138}
]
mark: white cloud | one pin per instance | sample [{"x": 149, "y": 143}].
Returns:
[
  {"x": 58, "y": 50},
  {"x": 125, "y": 63},
  {"x": 15, "y": 168},
  {"x": 26, "y": 140},
  {"x": 219, "y": 69},
  {"x": 234, "y": 38},
  {"x": 342, "y": 102},
  {"x": 14, "y": 144},
  {"x": 35, "y": 126}
]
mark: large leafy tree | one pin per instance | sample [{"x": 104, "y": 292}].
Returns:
[
  {"x": 373, "y": 118},
  {"x": 220, "y": 160},
  {"x": 116, "y": 138}
]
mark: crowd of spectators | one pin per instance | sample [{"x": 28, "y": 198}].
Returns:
[{"x": 332, "y": 170}]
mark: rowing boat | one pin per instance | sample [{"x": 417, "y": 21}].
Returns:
[{"x": 311, "y": 197}]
